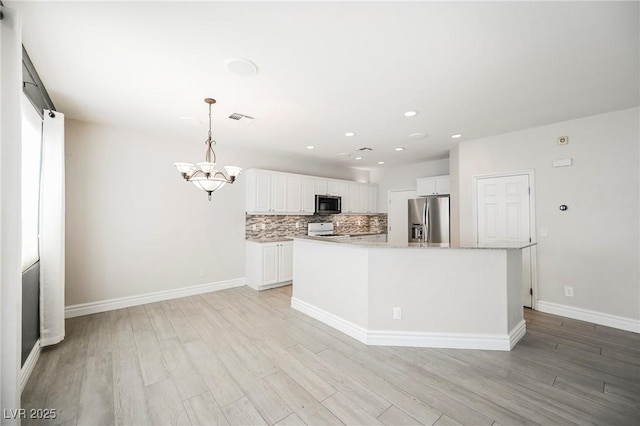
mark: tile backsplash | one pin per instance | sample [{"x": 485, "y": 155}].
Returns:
[{"x": 285, "y": 225}]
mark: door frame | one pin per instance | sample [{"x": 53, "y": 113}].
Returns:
[{"x": 532, "y": 222}]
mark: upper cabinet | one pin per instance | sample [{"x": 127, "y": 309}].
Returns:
[
  {"x": 273, "y": 193},
  {"x": 372, "y": 202},
  {"x": 434, "y": 185},
  {"x": 270, "y": 192}
]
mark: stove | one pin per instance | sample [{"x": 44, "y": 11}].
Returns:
[{"x": 324, "y": 229}]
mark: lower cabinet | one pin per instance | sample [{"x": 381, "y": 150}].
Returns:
[{"x": 269, "y": 265}]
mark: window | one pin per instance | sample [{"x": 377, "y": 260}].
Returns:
[{"x": 31, "y": 165}]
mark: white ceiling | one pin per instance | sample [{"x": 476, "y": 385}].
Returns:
[{"x": 476, "y": 68}]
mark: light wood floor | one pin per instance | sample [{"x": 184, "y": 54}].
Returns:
[{"x": 242, "y": 357}]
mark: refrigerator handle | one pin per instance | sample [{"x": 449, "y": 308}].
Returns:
[{"x": 426, "y": 223}]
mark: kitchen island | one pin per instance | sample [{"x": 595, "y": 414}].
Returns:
[{"x": 412, "y": 294}]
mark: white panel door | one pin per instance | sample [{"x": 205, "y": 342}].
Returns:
[
  {"x": 308, "y": 195},
  {"x": 270, "y": 264},
  {"x": 286, "y": 261},
  {"x": 261, "y": 197},
  {"x": 398, "y": 216},
  {"x": 278, "y": 193},
  {"x": 443, "y": 184},
  {"x": 294, "y": 194},
  {"x": 503, "y": 215},
  {"x": 372, "y": 200}
]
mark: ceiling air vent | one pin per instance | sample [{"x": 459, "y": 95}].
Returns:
[
  {"x": 364, "y": 148},
  {"x": 245, "y": 119}
]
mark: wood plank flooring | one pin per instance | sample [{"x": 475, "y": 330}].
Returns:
[{"x": 240, "y": 357}]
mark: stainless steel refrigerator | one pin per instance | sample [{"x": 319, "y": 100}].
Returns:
[{"x": 429, "y": 220}]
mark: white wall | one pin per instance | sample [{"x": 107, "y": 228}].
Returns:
[
  {"x": 404, "y": 177},
  {"x": 594, "y": 245},
  {"x": 134, "y": 226}
]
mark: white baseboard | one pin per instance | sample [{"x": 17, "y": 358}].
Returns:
[
  {"x": 622, "y": 323},
  {"x": 29, "y": 365},
  {"x": 347, "y": 327},
  {"x": 158, "y": 296},
  {"x": 500, "y": 342}
]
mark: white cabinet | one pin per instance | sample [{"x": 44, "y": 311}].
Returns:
[
  {"x": 308, "y": 195},
  {"x": 269, "y": 265},
  {"x": 358, "y": 198},
  {"x": 300, "y": 194},
  {"x": 258, "y": 192},
  {"x": 278, "y": 193},
  {"x": 320, "y": 187},
  {"x": 434, "y": 185},
  {"x": 343, "y": 192},
  {"x": 270, "y": 192},
  {"x": 333, "y": 187},
  {"x": 372, "y": 201},
  {"x": 294, "y": 194}
]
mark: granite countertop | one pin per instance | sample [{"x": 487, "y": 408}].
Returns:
[
  {"x": 499, "y": 245},
  {"x": 362, "y": 234},
  {"x": 270, "y": 239}
]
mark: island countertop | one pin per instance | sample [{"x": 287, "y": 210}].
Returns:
[{"x": 495, "y": 245}]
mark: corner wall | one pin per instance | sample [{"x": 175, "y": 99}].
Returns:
[
  {"x": 594, "y": 245},
  {"x": 135, "y": 227}
]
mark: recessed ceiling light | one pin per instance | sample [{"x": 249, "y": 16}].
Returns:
[
  {"x": 411, "y": 113},
  {"x": 417, "y": 135},
  {"x": 241, "y": 66},
  {"x": 349, "y": 134},
  {"x": 399, "y": 148},
  {"x": 380, "y": 162},
  {"x": 456, "y": 136},
  {"x": 310, "y": 146},
  {"x": 358, "y": 158}
]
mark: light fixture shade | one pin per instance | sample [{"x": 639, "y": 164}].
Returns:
[
  {"x": 233, "y": 171},
  {"x": 208, "y": 185},
  {"x": 208, "y": 168},
  {"x": 184, "y": 168}
]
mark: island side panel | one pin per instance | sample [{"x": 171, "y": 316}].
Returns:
[
  {"x": 332, "y": 278},
  {"x": 448, "y": 291},
  {"x": 514, "y": 289}
]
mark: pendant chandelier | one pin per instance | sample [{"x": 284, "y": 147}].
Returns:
[{"x": 204, "y": 175}]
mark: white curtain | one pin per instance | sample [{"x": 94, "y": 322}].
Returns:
[
  {"x": 10, "y": 212},
  {"x": 52, "y": 230}
]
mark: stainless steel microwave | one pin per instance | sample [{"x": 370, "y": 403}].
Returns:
[{"x": 328, "y": 204}]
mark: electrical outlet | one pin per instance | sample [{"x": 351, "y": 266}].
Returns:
[
  {"x": 397, "y": 313},
  {"x": 338, "y": 223},
  {"x": 568, "y": 291},
  {"x": 202, "y": 272},
  {"x": 359, "y": 222},
  {"x": 297, "y": 225},
  {"x": 254, "y": 227},
  {"x": 263, "y": 226}
]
